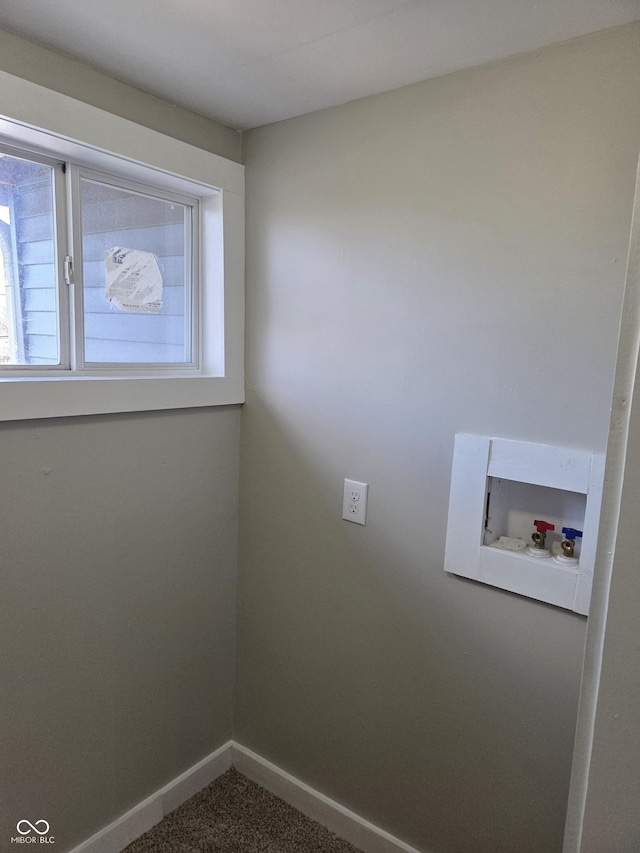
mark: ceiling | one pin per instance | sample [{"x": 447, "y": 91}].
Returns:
[{"x": 251, "y": 62}]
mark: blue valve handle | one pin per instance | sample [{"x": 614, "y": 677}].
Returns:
[{"x": 570, "y": 533}]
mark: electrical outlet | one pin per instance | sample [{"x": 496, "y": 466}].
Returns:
[{"x": 354, "y": 501}]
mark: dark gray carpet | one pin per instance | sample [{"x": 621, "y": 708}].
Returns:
[{"x": 234, "y": 815}]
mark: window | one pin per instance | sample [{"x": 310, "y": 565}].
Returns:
[
  {"x": 125, "y": 295},
  {"x": 138, "y": 287},
  {"x": 121, "y": 263},
  {"x": 28, "y": 292}
]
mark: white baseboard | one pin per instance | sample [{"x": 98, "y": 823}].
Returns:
[
  {"x": 114, "y": 837},
  {"x": 340, "y": 820}
]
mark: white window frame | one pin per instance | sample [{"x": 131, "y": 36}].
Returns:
[
  {"x": 59, "y": 127},
  {"x": 60, "y": 241},
  {"x": 192, "y": 245}
]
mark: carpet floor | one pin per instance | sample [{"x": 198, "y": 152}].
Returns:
[{"x": 234, "y": 815}]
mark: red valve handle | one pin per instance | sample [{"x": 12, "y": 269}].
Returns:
[{"x": 543, "y": 526}]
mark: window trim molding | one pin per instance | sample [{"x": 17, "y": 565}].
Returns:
[{"x": 61, "y": 127}]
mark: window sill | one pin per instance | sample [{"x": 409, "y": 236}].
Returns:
[{"x": 58, "y": 396}]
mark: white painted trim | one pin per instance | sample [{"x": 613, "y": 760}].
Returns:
[
  {"x": 335, "y": 817},
  {"x": 59, "y": 126},
  {"x": 540, "y": 464},
  {"x": 338, "y": 819},
  {"x": 114, "y": 837},
  {"x": 477, "y": 458},
  {"x": 625, "y": 387}
]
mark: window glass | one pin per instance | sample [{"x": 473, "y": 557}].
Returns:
[
  {"x": 137, "y": 281},
  {"x": 28, "y": 280}
]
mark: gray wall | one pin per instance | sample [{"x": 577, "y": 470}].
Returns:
[
  {"x": 119, "y": 566},
  {"x": 62, "y": 74},
  {"x": 118, "y": 610},
  {"x": 447, "y": 257}
]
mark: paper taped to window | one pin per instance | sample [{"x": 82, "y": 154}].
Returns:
[{"x": 133, "y": 281}]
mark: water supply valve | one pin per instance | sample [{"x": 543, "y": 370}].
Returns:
[
  {"x": 567, "y": 545},
  {"x": 538, "y": 538}
]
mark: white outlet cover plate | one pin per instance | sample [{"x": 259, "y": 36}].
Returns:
[{"x": 354, "y": 501}]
